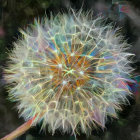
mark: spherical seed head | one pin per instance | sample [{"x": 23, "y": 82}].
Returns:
[{"x": 71, "y": 71}]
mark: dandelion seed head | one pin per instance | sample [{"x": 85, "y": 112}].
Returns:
[{"x": 71, "y": 70}]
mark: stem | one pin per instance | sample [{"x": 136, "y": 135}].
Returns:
[{"x": 20, "y": 130}]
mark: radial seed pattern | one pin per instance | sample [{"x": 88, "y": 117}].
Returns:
[{"x": 70, "y": 71}]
